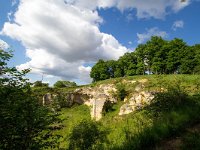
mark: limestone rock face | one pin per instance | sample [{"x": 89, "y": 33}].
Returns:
[
  {"x": 47, "y": 99},
  {"x": 98, "y": 104},
  {"x": 77, "y": 98},
  {"x": 137, "y": 101},
  {"x": 126, "y": 109},
  {"x": 98, "y": 98}
]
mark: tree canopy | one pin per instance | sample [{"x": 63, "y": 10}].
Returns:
[
  {"x": 40, "y": 84},
  {"x": 25, "y": 124},
  {"x": 62, "y": 84},
  {"x": 156, "y": 56}
]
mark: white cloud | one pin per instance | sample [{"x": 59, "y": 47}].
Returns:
[
  {"x": 130, "y": 43},
  {"x": 142, "y": 37},
  {"x": 177, "y": 24},
  {"x": 60, "y": 38},
  {"x": 3, "y": 45},
  {"x": 14, "y": 2},
  {"x": 144, "y": 8},
  {"x": 152, "y": 8},
  {"x": 9, "y": 16}
]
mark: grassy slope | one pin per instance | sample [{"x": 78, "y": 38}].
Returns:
[
  {"x": 71, "y": 117},
  {"x": 148, "y": 126}
]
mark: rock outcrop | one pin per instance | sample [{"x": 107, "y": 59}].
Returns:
[
  {"x": 100, "y": 98},
  {"x": 138, "y": 99},
  {"x": 47, "y": 99},
  {"x": 95, "y": 97}
]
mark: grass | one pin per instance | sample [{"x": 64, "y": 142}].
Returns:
[
  {"x": 170, "y": 113},
  {"x": 146, "y": 128},
  {"x": 71, "y": 117}
]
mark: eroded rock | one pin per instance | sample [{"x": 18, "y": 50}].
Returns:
[{"x": 137, "y": 101}]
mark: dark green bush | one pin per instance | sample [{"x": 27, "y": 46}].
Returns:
[
  {"x": 86, "y": 135},
  {"x": 24, "y": 123},
  {"x": 191, "y": 141},
  {"x": 121, "y": 91}
]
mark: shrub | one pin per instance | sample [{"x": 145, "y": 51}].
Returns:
[
  {"x": 86, "y": 135},
  {"x": 121, "y": 91},
  {"x": 62, "y": 84},
  {"x": 25, "y": 124}
]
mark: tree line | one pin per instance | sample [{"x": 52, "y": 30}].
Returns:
[{"x": 156, "y": 56}]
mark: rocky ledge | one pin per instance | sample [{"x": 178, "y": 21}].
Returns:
[{"x": 100, "y": 98}]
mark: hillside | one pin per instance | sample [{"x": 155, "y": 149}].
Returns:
[{"x": 136, "y": 112}]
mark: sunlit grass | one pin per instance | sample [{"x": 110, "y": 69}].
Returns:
[{"x": 145, "y": 127}]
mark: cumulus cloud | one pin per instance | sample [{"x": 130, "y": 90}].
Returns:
[
  {"x": 60, "y": 38},
  {"x": 152, "y": 8},
  {"x": 145, "y": 8},
  {"x": 142, "y": 37},
  {"x": 177, "y": 24},
  {"x": 3, "y": 45}
]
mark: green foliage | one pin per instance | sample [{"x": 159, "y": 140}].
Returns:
[
  {"x": 156, "y": 56},
  {"x": 86, "y": 135},
  {"x": 147, "y": 127},
  {"x": 121, "y": 91},
  {"x": 168, "y": 116},
  {"x": 40, "y": 84},
  {"x": 100, "y": 71},
  {"x": 24, "y": 122},
  {"x": 170, "y": 99},
  {"x": 62, "y": 84}
]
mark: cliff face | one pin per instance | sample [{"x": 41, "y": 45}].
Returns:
[{"x": 101, "y": 97}]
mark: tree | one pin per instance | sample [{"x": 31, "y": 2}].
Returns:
[
  {"x": 177, "y": 46},
  {"x": 111, "y": 64},
  {"x": 24, "y": 122},
  {"x": 128, "y": 64},
  {"x": 62, "y": 84},
  {"x": 197, "y": 59},
  {"x": 100, "y": 71},
  {"x": 40, "y": 84},
  {"x": 188, "y": 61},
  {"x": 86, "y": 135},
  {"x": 156, "y": 56},
  {"x": 140, "y": 53}
]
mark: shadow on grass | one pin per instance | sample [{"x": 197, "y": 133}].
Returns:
[{"x": 170, "y": 113}]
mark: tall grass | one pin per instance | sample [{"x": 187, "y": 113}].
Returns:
[{"x": 171, "y": 111}]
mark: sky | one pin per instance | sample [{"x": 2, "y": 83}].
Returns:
[{"x": 63, "y": 39}]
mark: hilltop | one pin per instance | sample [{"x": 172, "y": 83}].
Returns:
[{"x": 137, "y": 111}]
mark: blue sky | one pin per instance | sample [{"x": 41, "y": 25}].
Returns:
[{"x": 61, "y": 39}]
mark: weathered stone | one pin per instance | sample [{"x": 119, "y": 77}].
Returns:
[
  {"x": 98, "y": 104},
  {"x": 137, "y": 101},
  {"x": 125, "y": 109},
  {"x": 98, "y": 97},
  {"x": 143, "y": 81},
  {"x": 47, "y": 99}
]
